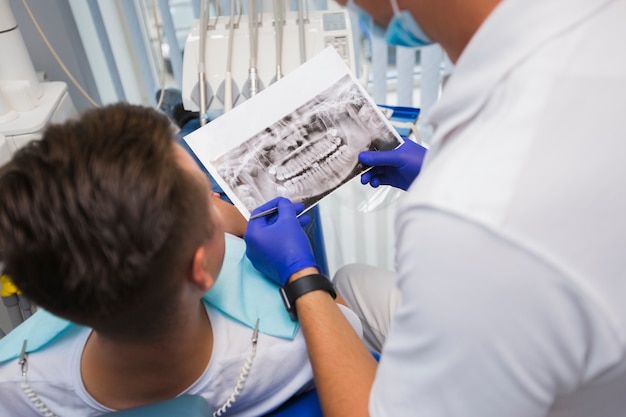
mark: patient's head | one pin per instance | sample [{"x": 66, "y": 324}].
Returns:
[{"x": 99, "y": 220}]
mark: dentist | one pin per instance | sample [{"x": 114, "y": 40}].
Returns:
[{"x": 510, "y": 264}]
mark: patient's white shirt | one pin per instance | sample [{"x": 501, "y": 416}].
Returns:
[{"x": 279, "y": 370}]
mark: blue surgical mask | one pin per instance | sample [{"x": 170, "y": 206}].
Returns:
[{"x": 403, "y": 30}]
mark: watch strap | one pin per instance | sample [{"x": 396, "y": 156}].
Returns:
[{"x": 297, "y": 288}]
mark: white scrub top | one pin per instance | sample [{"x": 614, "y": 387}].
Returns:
[{"x": 511, "y": 243}]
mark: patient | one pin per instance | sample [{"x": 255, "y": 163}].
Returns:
[{"x": 107, "y": 223}]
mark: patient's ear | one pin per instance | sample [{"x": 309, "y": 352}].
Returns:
[{"x": 200, "y": 275}]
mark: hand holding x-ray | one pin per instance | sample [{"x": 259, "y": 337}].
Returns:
[{"x": 398, "y": 167}]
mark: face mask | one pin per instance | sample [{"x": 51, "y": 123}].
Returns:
[{"x": 403, "y": 30}]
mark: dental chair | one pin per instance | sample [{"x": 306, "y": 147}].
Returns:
[{"x": 303, "y": 405}]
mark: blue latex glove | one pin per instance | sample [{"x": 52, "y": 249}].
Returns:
[
  {"x": 397, "y": 168},
  {"x": 276, "y": 244}
]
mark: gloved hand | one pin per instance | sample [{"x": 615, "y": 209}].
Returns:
[
  {"x": 397, "y": 168},
  {"x": 276, "y": 244}
]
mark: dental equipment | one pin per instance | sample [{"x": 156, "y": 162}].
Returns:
[
  {"x": 302, "y": 31},
  {"x": 18, "y": 307},
  {"x": 253, "y": 84},
  {"x": 279, "y": 22},
  {"x": 228, "y": 91},
  {"x": 226, "y": 44},
  {"x": 26, "y": 104},
  {"x": 204, "y": 12}
]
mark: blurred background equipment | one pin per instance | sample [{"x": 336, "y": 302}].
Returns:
[
  {"x": 27, "y": 103},
  {"x": 18, "y": 307}
]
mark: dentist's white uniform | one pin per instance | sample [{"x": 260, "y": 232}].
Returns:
[{"x": 512, "y": 241}]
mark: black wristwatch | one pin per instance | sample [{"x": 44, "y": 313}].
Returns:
[{"x": 294, "y": 290}]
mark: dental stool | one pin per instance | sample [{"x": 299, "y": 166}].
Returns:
[{"x": 304, "y": 405}]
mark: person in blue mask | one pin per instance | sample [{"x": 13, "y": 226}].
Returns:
[{"x": 509, "y": 263}]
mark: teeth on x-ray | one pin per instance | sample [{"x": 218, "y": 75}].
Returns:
[
  {"x": 303, "y": 159},
  {"x": 318, "y": 172}
]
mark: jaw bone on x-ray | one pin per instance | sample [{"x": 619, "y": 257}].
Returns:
[{"x": 311, "y": 151}]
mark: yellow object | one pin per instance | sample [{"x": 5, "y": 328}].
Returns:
[{"x": 7, "y": 287}]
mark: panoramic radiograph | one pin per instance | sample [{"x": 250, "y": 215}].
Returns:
[{"x": 309, "y": 152}]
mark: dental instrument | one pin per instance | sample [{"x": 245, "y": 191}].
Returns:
[
  {"x": 253, "y": 85},
  {"x": 302, "y": 31},
  {"x": 228, "y": 92},
  {"x": 279, "y": 22},
  {"x": 204, "y": 13},
  {"x": 273, "y": 210}
]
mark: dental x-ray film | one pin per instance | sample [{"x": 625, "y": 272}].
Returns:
[{"x": 299, "y": 138}]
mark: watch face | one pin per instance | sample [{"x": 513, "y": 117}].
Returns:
[
  {"x": 288, "y": 306},
  {"x": 285, "y": 298}
]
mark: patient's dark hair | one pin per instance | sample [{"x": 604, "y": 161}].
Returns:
[{"x": 98, "y": 221}]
